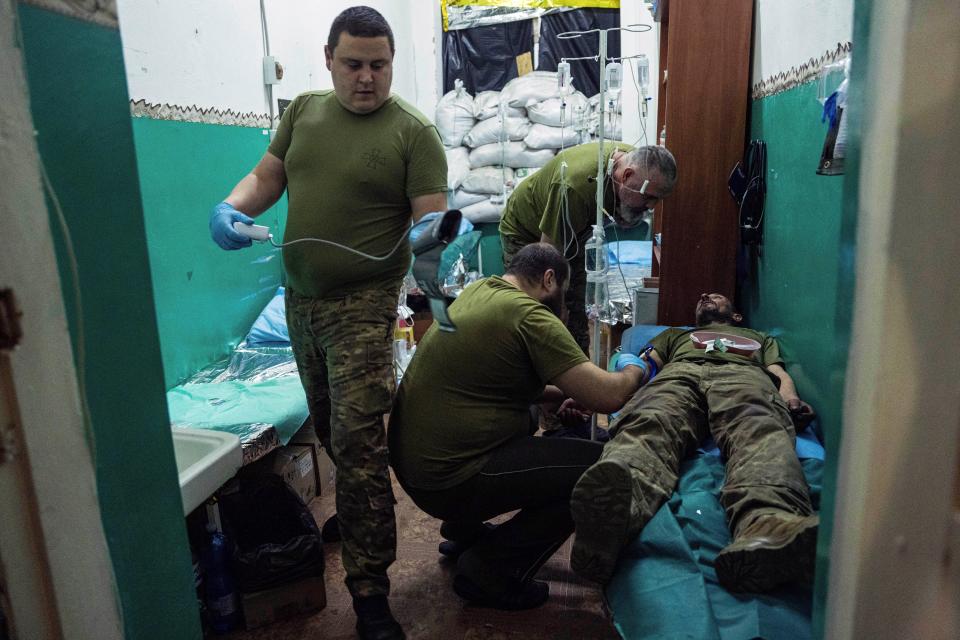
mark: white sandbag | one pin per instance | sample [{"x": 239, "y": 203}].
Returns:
[
  {"x": 491, "y": 130},
  {"x": 485, "y": 211},
  {"x": 455, "y": 116},
  {"x": 458, "y": 166},
  {"x": 487, "y": 180},
  {"x": 513, "y": 154},
  {"x": 460, "y": 198},
  {"x": 529, "y": 89},
  {"x": 548, "y": 111},
  {"x": 543, "y": 137},
  {"x": 487, "y": 104}
]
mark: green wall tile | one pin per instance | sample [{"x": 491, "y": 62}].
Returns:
[
  {"x": 206, "y": 298},
  {"x": 802, "y": 285}
]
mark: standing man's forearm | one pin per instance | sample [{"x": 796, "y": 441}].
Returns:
[{"x": 260, "y": 188}]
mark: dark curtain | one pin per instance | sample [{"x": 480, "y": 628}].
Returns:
[
  {"x": 485, "y": 58},
  {"x": 586, "y": 73}
]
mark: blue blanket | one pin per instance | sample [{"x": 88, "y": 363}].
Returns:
[{"x": 665, "y": 586}]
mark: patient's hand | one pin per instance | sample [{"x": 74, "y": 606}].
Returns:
[
  {"x": 801, "y": 412},
  {"x": 571, "y": 411}
]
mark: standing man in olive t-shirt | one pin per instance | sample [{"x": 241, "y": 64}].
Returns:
[
  {"x": 461, "y": 440},
  {"x": 558, "y": 204},
  {"x": 722, "y": 380},
  {"x": 357, "y": 164}
]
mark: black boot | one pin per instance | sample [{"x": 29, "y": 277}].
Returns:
[
  {"x": 374, "y": 619},
  {"x": 330, "y": 531}
]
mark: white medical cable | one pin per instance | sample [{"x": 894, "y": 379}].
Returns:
[
  {"x": 342, "y": 246},
  {"x": 81, "y": 339}
]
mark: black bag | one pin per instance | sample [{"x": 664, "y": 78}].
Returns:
[
  {"x": 748, "y": 186},
  {"x": 276, "y": 539}
]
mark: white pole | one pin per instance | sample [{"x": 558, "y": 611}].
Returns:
[{"x": 600, "y": 175}]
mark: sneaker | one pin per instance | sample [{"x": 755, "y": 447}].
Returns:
[
  {"x": 375, "y": 621},
  {"x": 772, "y": 550},
  {"x": 529, "y": 596},
  {"x": 600, "y": 506},
  {"x": 454, "y": 547}
]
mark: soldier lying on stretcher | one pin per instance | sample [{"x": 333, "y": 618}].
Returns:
[{"x": 718, "y": 379}]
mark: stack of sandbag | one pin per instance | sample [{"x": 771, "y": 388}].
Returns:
[
  {"x": 553, "y": 122},
  {"x": 518, "y": 128}
]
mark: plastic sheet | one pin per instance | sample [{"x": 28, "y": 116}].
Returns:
[
  {"x": 672, "y": 561},
  {"x": 621, "y": 281},
  {"x": 475, "y": 15},
  {"x": 586, "y": 73},
  {"x": 255, "y": 393},
  {"x": 485, "y": 58},
  {"x": 631, "y": 262}
]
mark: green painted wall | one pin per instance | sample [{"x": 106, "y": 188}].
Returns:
[
  {"x": 802, "y": 287},
  {"x": 206, "y": 298},
  {"x": 81, "y": 112}
]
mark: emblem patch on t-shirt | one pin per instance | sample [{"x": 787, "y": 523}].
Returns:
[{"x": 374, "y": 159}]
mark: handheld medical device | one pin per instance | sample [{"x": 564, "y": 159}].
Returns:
[
  {"x": 256, "y": 232},
  {"x": 427, "y": 250}
]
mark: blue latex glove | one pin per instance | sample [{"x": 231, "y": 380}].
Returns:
[
  {"x": 221, "y": 227},
  {"x": 630, "y": 360},
  {"x": 465, "y": 225}
]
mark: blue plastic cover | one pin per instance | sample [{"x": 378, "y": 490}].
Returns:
[
  {"x": 270, "y": 327},
  {"x": 670, "y": 565},
  {"x": 638, "y": 252}
]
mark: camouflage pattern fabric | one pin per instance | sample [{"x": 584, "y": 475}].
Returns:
[
  {"x": 344, "y": 352},
  {"x": 666, "y": 421}
]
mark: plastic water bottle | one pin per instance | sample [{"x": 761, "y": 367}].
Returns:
[
  {"x": 223, "y": 600},
  {"x": 597, "y": 266}
]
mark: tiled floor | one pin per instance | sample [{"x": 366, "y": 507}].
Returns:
[{"x": 427, "y": 607}]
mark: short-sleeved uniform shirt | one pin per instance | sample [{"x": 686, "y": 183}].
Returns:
[
  {"x": 536, "y": 206},
  {"x": 350, "y": 179},
  {"x": 675, "y": 345},
  {"x": 468, "y": 392}
]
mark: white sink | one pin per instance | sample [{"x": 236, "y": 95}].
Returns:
[{"x": 205, "y": 460}]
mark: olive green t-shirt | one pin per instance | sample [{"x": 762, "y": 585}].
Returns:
[
  {"x": 350, "y": 178},
  {"x": 536, "y": 206},
  {"x": 468, "y": 392},
  {"x": 675, "y": 344}
]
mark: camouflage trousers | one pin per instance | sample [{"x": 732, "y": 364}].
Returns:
[
  {"x": 739, "y": 405},
  {"x": 344, "y": 353},
  {"x": 576, "y": 312}
]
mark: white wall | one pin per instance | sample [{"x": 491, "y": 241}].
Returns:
[
  {"x": 648, "y": 43},
  {"x": 209, "y": 53},
  {"x": 789, "y": 33}
]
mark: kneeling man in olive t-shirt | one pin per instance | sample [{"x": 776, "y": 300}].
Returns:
[{"x": 461, "y": 436}]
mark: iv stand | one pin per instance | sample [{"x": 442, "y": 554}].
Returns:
[{"x": 601, "y": 57}]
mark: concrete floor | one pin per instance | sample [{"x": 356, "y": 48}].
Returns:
[{"x": 423, "y": 601}]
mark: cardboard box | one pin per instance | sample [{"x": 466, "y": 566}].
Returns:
[
  {"x": 295, "y": 465},
  {"x": 272, "y": 605},
  {"x": 324, "y": 471}
]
